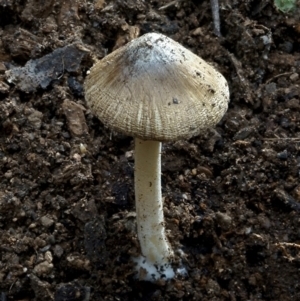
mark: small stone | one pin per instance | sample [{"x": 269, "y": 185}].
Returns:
[
  {"x": 224, "y": 220},
  {"x": 8, "y": 174},
  {"x": 194, "y": 171},
  {"x": 294, "y": 77},
  {"x": 48, "y": 256},
  {"x": 181, "y": 177},
  {"x": 35, "y": 119},
  {"x": 282, "y": 155},
  {"x": 271, "y": 88},
  {"x": 46, "y": 221},
  {"x": 82, "y": 148},
  {"x": 129, "y": 154},
  {"x": 75, "y": 117},
  {"x": 32, "y": 226},
  {"x": 197, "y": 32},
  {"x": 248, "y": 230},
  {"x": 77, "y": 157},
  {"x": 266, "y": 39},
  {"x": 43, "y": 268},
  {"x": 58, "y": 251}
]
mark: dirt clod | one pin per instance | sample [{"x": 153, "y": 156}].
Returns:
[{"x": 231, "y": 196}]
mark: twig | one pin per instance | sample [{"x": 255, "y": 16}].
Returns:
[
  {"x": 286, "y": 255},
  {"x": 276, "y": 76},
  {"x": 216, "y": 16},
  {"x": 286, "y": 200},
  {"x": 243, "y": 81},
  {"x": 172, "y": 3},
  {"x": 262, "y": 86},
  {"x": 295, "y": 139},
  {"x": 288, "y": 244}
]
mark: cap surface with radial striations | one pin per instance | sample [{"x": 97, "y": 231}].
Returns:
[{"x": 155, "y": 89}]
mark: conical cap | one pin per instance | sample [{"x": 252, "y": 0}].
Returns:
[{"x": 155, "y": 89}]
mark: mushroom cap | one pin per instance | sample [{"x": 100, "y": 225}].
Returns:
[{"x": 155, "y": 89}]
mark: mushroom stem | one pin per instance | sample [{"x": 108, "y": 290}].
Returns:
[{"x": 149, "y": 206}]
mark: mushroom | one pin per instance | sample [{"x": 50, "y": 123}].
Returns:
[{"x": 155, "y": 90}]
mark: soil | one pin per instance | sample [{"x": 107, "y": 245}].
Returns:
[{"x": 232, "y": 196}]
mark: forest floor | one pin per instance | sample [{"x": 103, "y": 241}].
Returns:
[{"x": 232, "y": 195}]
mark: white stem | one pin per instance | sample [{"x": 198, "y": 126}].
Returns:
[{"x": 149, "y": 206}]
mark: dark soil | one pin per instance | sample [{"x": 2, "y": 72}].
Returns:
[{"x": 232, "y": 196}]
